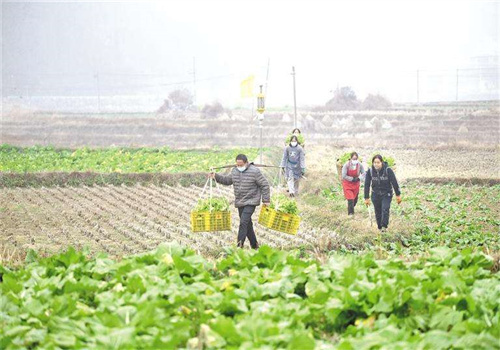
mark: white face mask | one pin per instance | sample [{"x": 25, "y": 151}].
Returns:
[
  {"x": 241, "y": 168},
  {"x": 354, "y": 161},
  {"x": 293, "y": 144}
]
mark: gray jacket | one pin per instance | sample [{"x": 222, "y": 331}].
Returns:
[
  {"x": 249, "y": 186},
  {"x": 350, "y": 178},
  {"x": 294, "y": 161}
]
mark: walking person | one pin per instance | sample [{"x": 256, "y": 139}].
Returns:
[
  {"x": 293, "y": 165},
  {"x": 250, "y": 186},
  {"x": 351, "y": 172},
  {"x": 382, "y": 181}
]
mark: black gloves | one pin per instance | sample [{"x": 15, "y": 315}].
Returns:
[{"x": 355, "y": 179}]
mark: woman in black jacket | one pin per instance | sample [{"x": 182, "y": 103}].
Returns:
[{"x": 382, "y": 180}]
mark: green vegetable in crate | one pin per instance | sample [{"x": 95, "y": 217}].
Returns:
[
  {"x": 346, "y": 156},
  {"x": 214, "y": 204},
  {"x": 283, "y": 204},
  {"x": 390, "y": 160}
]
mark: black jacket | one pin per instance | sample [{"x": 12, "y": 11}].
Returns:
[{"x": 381, "y": 181}]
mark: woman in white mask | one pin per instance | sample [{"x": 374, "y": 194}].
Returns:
[
  {"x": 300, "y": 138},
  {"x": 351, "y": 172},
  {"x": 293, "y": 165}
]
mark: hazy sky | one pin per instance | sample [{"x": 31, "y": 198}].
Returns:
[{"x": 148, "y": 47}]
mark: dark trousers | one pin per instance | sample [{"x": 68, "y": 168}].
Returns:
[
  {"x": 351, "y": 203},
  {"x": 382, "y": 204},
  {"x": 246, "y": 226}
]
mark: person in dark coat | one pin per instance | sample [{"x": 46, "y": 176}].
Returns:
[
  {"x": 382, "y": 181},
  {"x": 250, "y": 186}
]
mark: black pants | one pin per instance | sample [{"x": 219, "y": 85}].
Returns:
[
  {"x": 246, "y": 227},
  {"x": 382, "y": 204},
  {"x": 351, "y": 203}
]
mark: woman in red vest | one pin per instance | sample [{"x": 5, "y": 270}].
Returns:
[{"x": 351, "y": 171}]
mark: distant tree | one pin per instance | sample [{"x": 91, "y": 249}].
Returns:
[
  {"x": 181, "y": 99},
  {"x": 212, "y": 110},
  {"x": 344, "y": 98},
  {"x": 376, "y": 102},
  {"x": 164, "y": 107}
]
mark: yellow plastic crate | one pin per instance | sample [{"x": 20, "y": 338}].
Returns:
[
  {"x": 278, "y": 221},
  {"x": 206, "y": 221}
]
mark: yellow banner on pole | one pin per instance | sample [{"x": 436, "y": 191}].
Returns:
[{"x": 246, "y": 87}]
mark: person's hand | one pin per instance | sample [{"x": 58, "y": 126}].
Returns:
[
  {"x": 398, "y": 199},
  {"x": 303, "y": 171},
  {"x": 367, "y": 201},
  {"x": 355, "y": 179},
  {"x": 266, "y": 204},
  {"x": 211, "y": 175}
]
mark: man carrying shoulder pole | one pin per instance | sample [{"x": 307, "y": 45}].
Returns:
[{"x": 249, "y": 187}]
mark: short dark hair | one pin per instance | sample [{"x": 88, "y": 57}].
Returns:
[
  {"x": 377, "y": 156},
  {"x": 294, "y": 138},
  {"x": 354, "y": 154},
  {"x": 242, "y": 157},
  {"x": 296, "y": 129}
]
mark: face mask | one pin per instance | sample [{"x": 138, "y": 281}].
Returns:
[
  {"x": 354, "y": 161},
  {"x": 293, "y": 144},
  {"x": 241, "y": 168}
]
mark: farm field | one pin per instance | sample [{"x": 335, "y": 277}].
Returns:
[
  {"x": 97, "y": 251},
  {"x": 122, "y": 220},
  {"x": 403, "y": 127},
  {"x": 121, "y": 160},
  {"x": 172, "y": 298}
]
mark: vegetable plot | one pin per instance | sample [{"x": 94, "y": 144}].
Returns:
[
  {"x": 124, "y": 160},
  {"x": 173, "y": 298}
]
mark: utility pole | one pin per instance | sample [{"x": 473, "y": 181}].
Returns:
[
  {"x": 418, "y": 86},
  {"x": 267, "y": 76},
  {"x": 294, "y": 100},
  {"x": 98, "y": 93},
  {"x": 261, "y": 108},
  {"x": 456, "y": 92},
  {"x": 194, "y": 81}
]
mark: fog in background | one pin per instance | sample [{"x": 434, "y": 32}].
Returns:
[{"x": 148, "y": 49}]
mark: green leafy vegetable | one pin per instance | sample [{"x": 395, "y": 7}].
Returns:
[
  {"x": 114, "y": 159},
  {"x": 173, "y": 298},
  {"x": 346, "y": 156},
  {"x": 389, "y": 159},
  {"x": 284, "y": 204},
  {"x": 214, "y": 204}
]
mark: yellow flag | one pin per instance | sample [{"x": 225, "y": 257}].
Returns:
[{"x": 246, "y": 87}]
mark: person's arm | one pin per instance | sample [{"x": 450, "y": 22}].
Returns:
[
  {"x": 344, "y": 173},
  {"x": 224, "y": 179},
  {"x": 394, "y": 181},
  {"x": 302, "y": 161},
  {"x": 283, "y": 160},
  {"x": 362, "y": 173},
  {"x": 368, "y": 181},
  {"x": 264, "y": 187}
]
